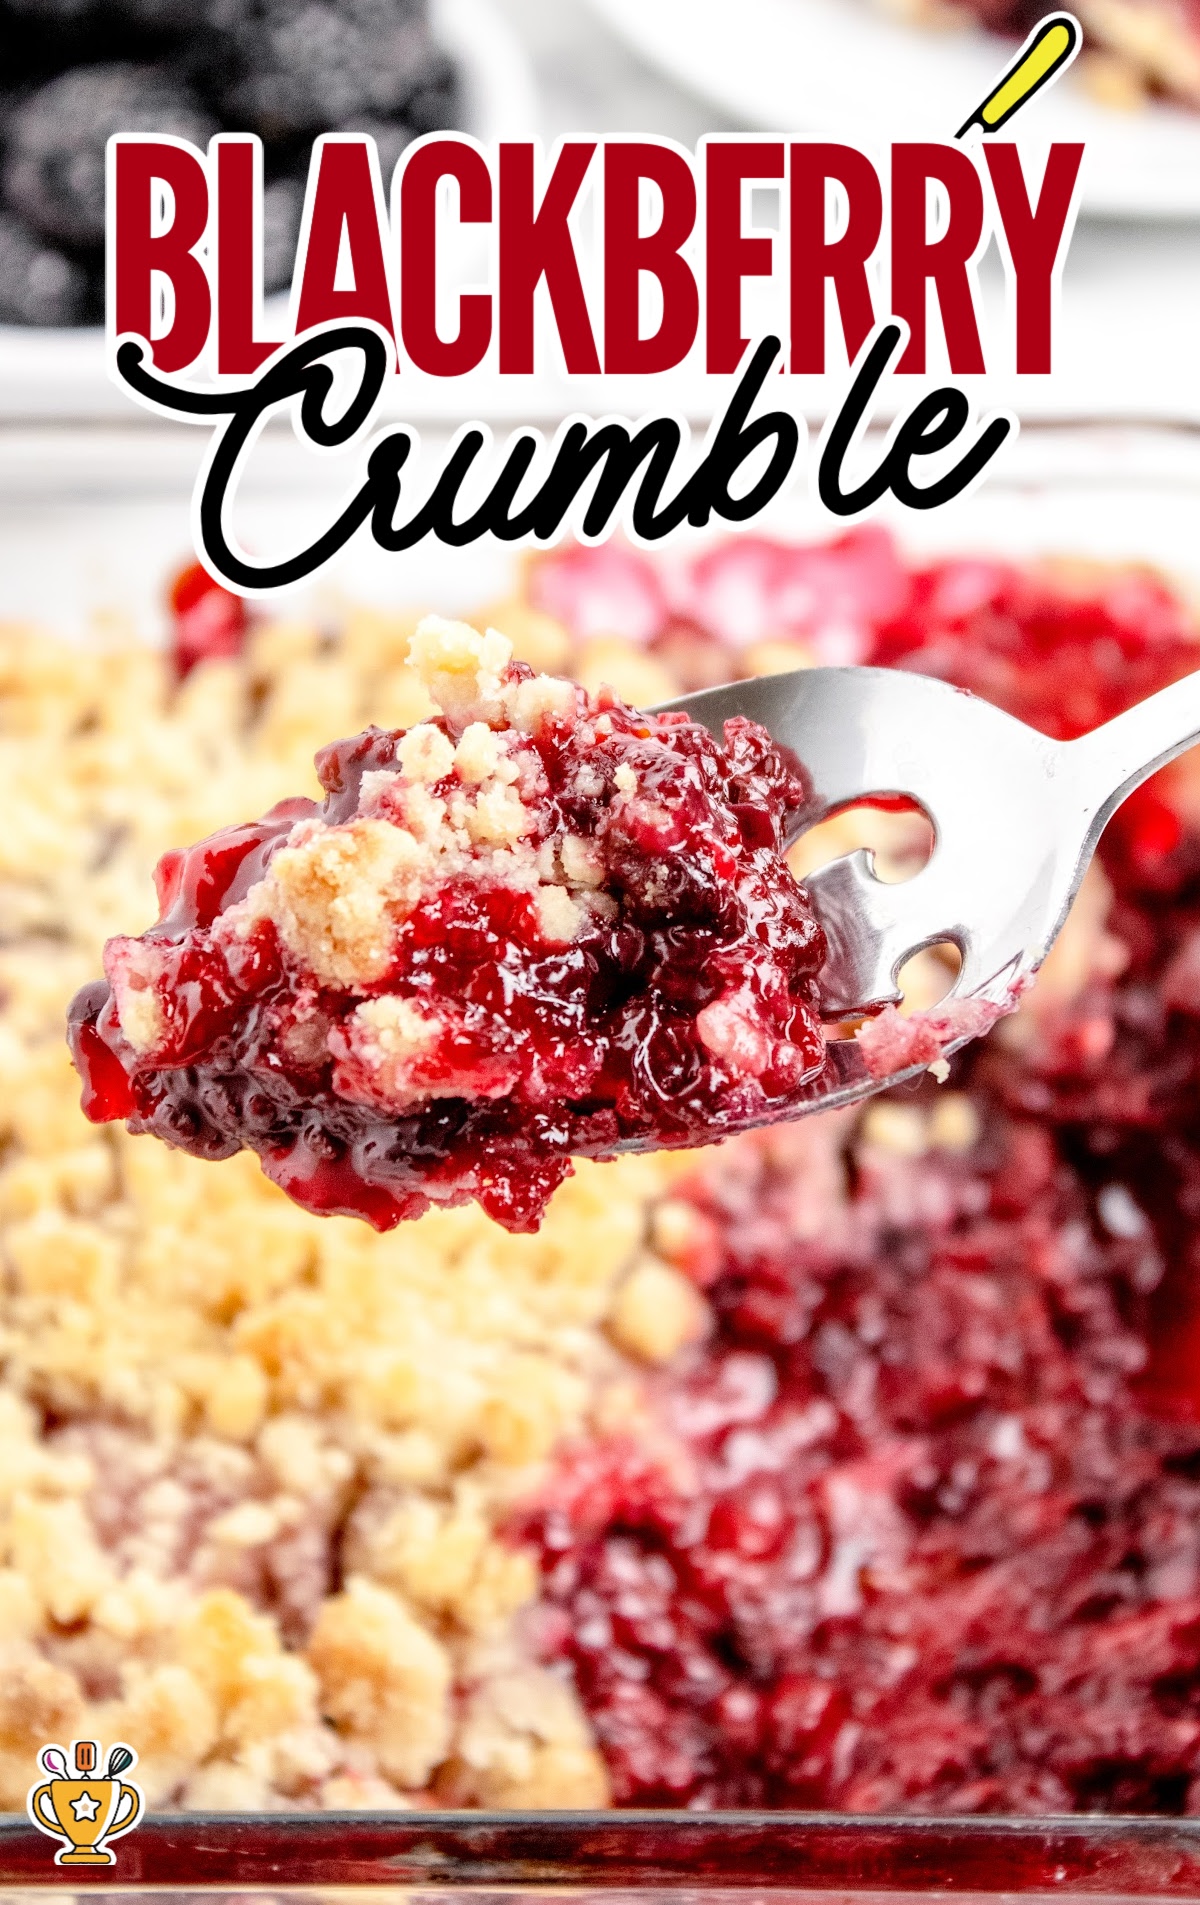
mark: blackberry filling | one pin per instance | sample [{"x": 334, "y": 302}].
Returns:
[
  {"x": 915, "y": 1527},
  {"x": 536, "y": 926}
]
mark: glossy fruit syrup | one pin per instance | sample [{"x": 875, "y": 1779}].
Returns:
[
  {"x": 917, "y": 1528},
  {"x": 537, "y": 926}
]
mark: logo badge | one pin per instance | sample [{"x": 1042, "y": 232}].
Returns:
[{"x": 83, "y": 1810}]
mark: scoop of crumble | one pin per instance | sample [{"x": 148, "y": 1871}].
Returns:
[{"x": 535, "y": 926}]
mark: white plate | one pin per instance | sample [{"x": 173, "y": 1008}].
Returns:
[
  {"x": 838, "y": 68},
  {"x": 93, "y": 522},
  {"x": 45, "y": 373}
]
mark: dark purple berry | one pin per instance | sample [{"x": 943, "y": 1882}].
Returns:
[
  {"x": 391, "y": 136},
  {"x": 283, "y": 202},
  {"x": 288, "y": 67},
  {"x": 38, "y": 285},
  {"x": 435, "y": 102},
  {"x": 54, "y": 165}
]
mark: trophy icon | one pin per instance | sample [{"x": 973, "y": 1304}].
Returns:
[{"x": 84, "y": 1812}]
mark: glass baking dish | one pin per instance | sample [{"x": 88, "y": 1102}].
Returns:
[
  {"x": 79, "y": 509},
  {"x": 693, "y": 1857}
]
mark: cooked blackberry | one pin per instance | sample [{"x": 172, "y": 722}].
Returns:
[
  {"x": 916, "y": 1527},
  {"x": 54, "y": 165},
  {"x": 282, "y": 68},
  {"x": 37, "y": 284}
]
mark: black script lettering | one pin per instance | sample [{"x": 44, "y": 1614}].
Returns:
[
  {"x": 615, "y": 455},
  {"x": 619, "y": 454},
  {"x": 735, "y": 442},
  {"x": 300, "y": 372},
  {"x": 934, "y": 423}
]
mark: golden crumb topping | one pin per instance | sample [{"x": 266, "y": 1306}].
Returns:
[
  {"x": 253, "y": 1463},
  {"x": 337, "y": 892}
]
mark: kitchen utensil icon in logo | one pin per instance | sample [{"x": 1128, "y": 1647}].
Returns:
[{"x": 85, "y": 1811}]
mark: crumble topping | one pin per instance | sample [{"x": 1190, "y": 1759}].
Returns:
[
  {"x": 334, "y": 895},
  {"x": 462, "y": 671},
  {"x": 221, "y": 1417},
  {"x": 208, "y": 1397},
  {"x": 538, "y": 925},
  {"x": 426, "y": 754}
]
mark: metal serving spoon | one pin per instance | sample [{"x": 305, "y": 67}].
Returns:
[{"x": 1016, "y": 818}]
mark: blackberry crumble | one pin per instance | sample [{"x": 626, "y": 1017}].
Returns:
[
  {"x": 539, "y": 925},
  {"x": 873, "y": 1440}
]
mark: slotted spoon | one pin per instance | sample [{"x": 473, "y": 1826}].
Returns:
[{"x": 1016, "y": 818}]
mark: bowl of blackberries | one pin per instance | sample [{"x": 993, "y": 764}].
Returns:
[{"x": 72, "y": 72}]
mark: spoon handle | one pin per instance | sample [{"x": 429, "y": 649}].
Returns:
[{"x": 1113, "y": 760}]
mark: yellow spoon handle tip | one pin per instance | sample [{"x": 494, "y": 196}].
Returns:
[{"x": 1049, "y": 48}]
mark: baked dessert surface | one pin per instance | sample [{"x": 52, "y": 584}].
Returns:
[{"x": 853, "y": 1464}]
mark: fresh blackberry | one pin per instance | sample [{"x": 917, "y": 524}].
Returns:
[
  {"x": 283, "y": 202},
  {"x": 38, "y": 285},
  {"x": 159, "y": 16},
  {"x": 153, "y": 16},
  {"x": 391, "y": 136},
  {"x": 54, "y": 164},
  {"x": 33, "y": 45},
  {"x": 283, "y": 199},
  {"x": 287, "y": 67},
  {"x": 47, "y": 13},
  {"x": 435, "y": 102},
  {"x": 51, "y": 35}
]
